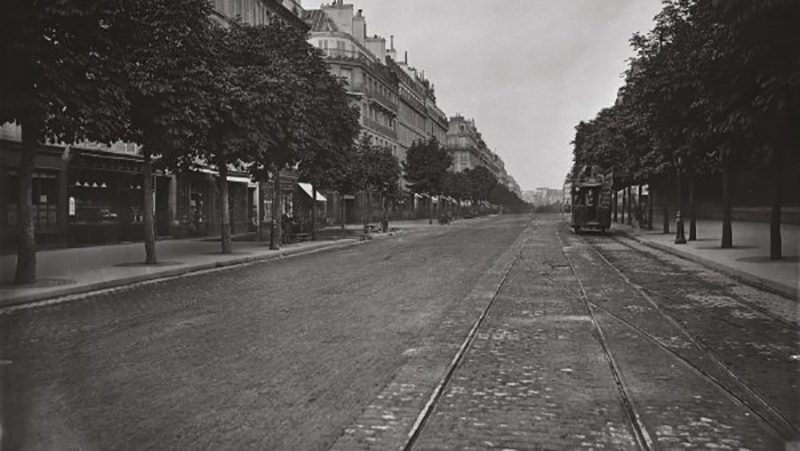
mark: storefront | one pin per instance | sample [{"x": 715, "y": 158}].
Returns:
[
  {"x": 105, "y": 202},
  {"x": 49, "y": 194},
  {"x": 198, "y": 205}
]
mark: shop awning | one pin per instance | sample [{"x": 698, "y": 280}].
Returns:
[
  {"x": 310, "y": 191},
  {"x": 231, "y": 178}
]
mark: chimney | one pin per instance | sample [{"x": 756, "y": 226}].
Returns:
[
  {"x": 405, "y": 58},
  {"x": 391, "y": 52},
  {"x": 359, "y": 26}
]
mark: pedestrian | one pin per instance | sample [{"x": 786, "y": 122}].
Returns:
[{"x": 637, "y": 215}]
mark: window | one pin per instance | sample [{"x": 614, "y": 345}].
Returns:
[{"x": 44, "y": 200}]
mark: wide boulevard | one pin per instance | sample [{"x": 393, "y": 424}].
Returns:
[{"x": 507, "y": 332}]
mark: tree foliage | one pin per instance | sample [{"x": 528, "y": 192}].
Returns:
[
  {"x": 481, "y": 182},
  {"x": 704, "y": 88},
  {"x": 58, "y": 84},
  {"x": 426, "y": 166},
  {"x": 381, "y": 169}
]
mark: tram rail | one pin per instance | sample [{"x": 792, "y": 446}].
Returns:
[{"x": 735, "y": 387}]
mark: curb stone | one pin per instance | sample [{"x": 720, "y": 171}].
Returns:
[
  {"x": 742, "y": 276},
  {"x": 72, "y": 290},
  {"x": 77, "y": 290}
]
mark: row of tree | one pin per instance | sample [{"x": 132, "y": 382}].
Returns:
[
  {"x": 172, "y": 77},
  {"x": 428, "y": 171},
  {"x": 713, "y": 88},
  {"x": 191, "y": 88}
]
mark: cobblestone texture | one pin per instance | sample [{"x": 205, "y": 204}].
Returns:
[
  {"x": 386, "y": 422},
  {"x": 677, "y": 398},
  {"x": 535, "y": 377},
  {"x": 736, "y": 323},
  {"x": 279, "y": 355},
  {"x": 344, "y": 349}
]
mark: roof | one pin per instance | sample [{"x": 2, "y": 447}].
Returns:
[{"x": 319, "y": 21}]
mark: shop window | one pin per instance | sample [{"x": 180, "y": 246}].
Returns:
[
  {"x": 103, "y": 197},
  {"x": 44, "y": 200}
]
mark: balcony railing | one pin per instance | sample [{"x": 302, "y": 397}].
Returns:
[
  {"x": 386, "y": 101},
  {"x": 416, "y": 104},
  {"x": 376, "y": 126},
  {"x": 375, "y": 70},
  {"x": 345, "y": 54}
]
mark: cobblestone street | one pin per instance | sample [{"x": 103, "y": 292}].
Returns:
[
  {"x": 509, "y": 333},
  {"x": 276, "y": 355}
]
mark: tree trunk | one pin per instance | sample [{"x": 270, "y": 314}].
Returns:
[
  {"x": 342, "y": 209},
  {"x": 313, "y": 212},
  {"x": 430, "y": 210},
  {"x": 624, "y": 204},
  {"x": 639, "y": 210},
  {"x": 149, "y": 220},
  {"x": 692, "y": 208},
  {"x": 260, "y": 212},
  {"x": 225, "y": 214},
  {"x": 275, "y": 241},
  {"x": 630, "y": 205},
  {"x": 650, "y": 205},
  {"x": 26, "y": 234},
  {"x": 665, "y": 207},
  {"x": 775, "y": 241},
  {"x": 365, "y": 215},
  {"x": 614, "y": 205},
  {"x": 727, "y": 232},
  {"x": 385, "y": 213}
]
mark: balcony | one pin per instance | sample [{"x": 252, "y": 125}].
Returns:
[
  {"x": 414, "y": 103},
  {"x": 344, "y": 54},
  {"x": 380, "y": 128},
  {"x": 376, "y": 70},
  {"x": 381, "y": 99}
]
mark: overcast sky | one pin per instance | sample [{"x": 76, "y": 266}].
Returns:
[{"x": 526, "y": 70}]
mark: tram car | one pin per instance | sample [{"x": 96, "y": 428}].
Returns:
[{"x": 591, "y": 200}]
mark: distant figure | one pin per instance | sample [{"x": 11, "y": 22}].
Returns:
[{"x": 286, "y": 228}]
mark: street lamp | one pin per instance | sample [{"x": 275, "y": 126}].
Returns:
[{"x": 680, "y": 238}]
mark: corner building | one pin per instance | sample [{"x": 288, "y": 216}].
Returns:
[{"x": 341, "y": 34}]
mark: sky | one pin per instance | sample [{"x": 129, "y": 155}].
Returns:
[{"x": 527, "y": 71}]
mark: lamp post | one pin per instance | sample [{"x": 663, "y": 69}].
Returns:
[{"x": 680, "y": 238}]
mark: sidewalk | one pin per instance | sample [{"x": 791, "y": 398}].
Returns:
[
  {"x": 748, "y": 260},
  {"x": 71, "y": 271}
]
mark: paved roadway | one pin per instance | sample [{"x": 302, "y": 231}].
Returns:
[
  {"x": 498, "y": 333},
  {"x": 276, "y": 355}
]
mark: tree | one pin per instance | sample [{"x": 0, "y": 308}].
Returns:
[
  {"x": 504, "y": 197},
  {"x": 381, "y": 171},
  {"x": 425, "y": 168},
  {"x": 302, "y": 112},
  {"x": 58, "y": 86},
  {"x": 756, "y": 49},
  {"x": 457, "y": 184},
  {"x": 167, "y": 52},
  {"x": 482, "y": 182},
  {"x": 245, "y": 97},
  {"x": 349, "y": 178},
  {"x": 334, "y": 135}
]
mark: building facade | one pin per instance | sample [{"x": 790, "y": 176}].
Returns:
[
  {"x": 469, "y": 151},
  {"x": 465, "y": 144},
  {"x": 88, "y": 193},
  {"x": 340, "y": 33}
]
